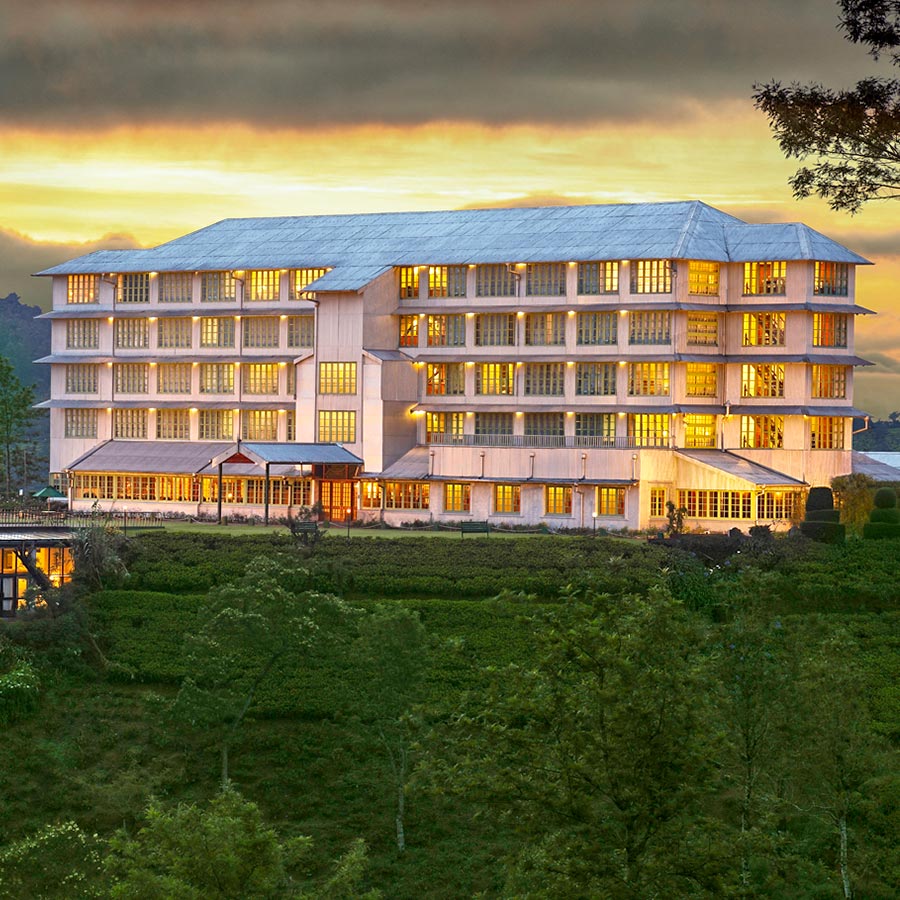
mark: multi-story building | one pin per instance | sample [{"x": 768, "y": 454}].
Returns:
[{"x": 574, "y": 365}]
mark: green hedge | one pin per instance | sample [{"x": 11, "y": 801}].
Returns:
[
  {"x": 20, "y": 690},
  {"x": 881, "y": 531},
  {"x": 824, "y": 532}
]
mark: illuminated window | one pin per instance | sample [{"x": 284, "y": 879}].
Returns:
[
  {"x": 830, "y": 329},
  {"x": 260, "y": 331},
  {"x": 176, "y": 287},
  {"x": 764, "y": 278},
  {"x": 648, "y": 429},
  {"x": 260, "y": 378},
  {"x": 447, "y": 281},
  {"x": 545, "y": 279},
  {"x": 300, "y": 279},
  {"x": 263, "y": 286},
  {"x": 216, "y": 425},
  {"x": 508, "y": 499},
  {"x": 495, "y": 378},
  {"x": 370, "y": 495},
  {"x": 829, "y": 382},
  {"x": 337, "y": 425},
  {"x": 495, "y": 330},
  {"x": 457, "y": 497},
  {"x": 702, "y": 380},
  {"x": 300, "y": 331},
  {"x": 173, "y": 425},
  {"x": 610, "y": 501},
  {"x": 826, "y": 433},
  {"x": 597, "y": 328},
  {"x": 598, "y": 278},
  {"x": 81, "y": 423},
  {"x": 658, "y": 499},
  {"x": 545, "y": 329},
  {"x": 776, "y": 504},
  {"x": 558, "y": 500},
  {"x": 496, "y": 281},
  {"x": 550, "y": 424},
  {"x": 216, "y": 378},
  {"x": 82, "y": 289},
  {"x": 763, "y": 329},
  {"x": 445, "y": 378},
  {"x": 762, "y": 380},
  {"x": 447, "y": 331},
  {"x": 595, "y": 379},
  {"x": 544, "y": 379},
  {"x": 700, "y": 432},
  {"x": 217, "y": 287},
  {"x": 131, "y": 334},
  {"x": 648, "y": 379},
  {"x": 493, "y": 424},
  {"x": 217, "y": 331},
  {"x": 651, "y": 276},
  {"x": 649, "y": 328},
  {"x": 130, "y": 423},
  {"x": 259, "y": 425},
  {"x": 703, "y": 278},
  {"x": 406, "y": 495},
  {"x": 702, "y": 329},
  {"x": 337, "y": 378},
  {"x": 290, "y": 425},
  {"x": 444, "y": 427},
  {"x": 81, "y": 379},
  {"x": 595, "y": 429},
  {"x": 173, "y": 378},
  {"x": 133, "y": 288},
  {"x": 173, "y": 333},
  {"x": 764, "y": 432},
  {"x": 409, "y": 331},
  {"x": 409, "y": 282},
  {"x": 831, "y": 279},
  {"x": 131, "y": 378},
  {"x": 716, "y": 504},
  {"x": 82, "y": 334}
]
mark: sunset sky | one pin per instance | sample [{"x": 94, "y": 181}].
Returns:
[{"x": 129, "y": 123}]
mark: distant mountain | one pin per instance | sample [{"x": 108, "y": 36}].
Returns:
[{"x": 23, "y": 339}]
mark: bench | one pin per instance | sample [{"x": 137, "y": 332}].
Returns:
[
  {"x": 306, "y": 529},
  {"x": 474, "y": 528}
]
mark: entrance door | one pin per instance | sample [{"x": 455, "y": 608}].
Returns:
[{"x": 338, "y": 500}]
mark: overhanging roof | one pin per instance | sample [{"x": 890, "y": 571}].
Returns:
[
  {"x": 289, "y": 454},
  {"x": 752, "y": 473}
]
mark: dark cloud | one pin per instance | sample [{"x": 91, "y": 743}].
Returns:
[
  {"x": 308, "y": 62},
  {"x": 883, "y": 245}
]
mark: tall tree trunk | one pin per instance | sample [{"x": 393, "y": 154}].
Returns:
[
  {"x": 224, "y": 765},
  {"x": 401, "y": 801},
  {"x": 845, "y": 868}
]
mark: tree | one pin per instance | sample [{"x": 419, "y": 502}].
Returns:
[
  {"x": 853, "y": 135},
  {"x": 16, "y": 419},
  {"x": 854, "y": 494}
]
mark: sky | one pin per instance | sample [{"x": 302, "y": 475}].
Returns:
[{"x": 130, "y": 122}]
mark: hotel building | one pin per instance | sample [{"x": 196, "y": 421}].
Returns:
[{"x": 579, "y": 366}]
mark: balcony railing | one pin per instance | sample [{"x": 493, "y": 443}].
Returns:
[{"x": 547, "y": 441}]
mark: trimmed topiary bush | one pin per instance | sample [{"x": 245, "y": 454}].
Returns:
[
  {"x": 890, "y": 516},
  {"x": 823, "y": 515},
  {"x": 885, "y": 498},
  {"x": 822, "y": 522},
  {"x": 884, "y": 519},
  {"x": 819, "y": 498}
]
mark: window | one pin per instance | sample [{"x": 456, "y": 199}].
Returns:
[
  {"x": 648, "y": 429},
  {"x": 81, "y": 423},
  {"x": 496, "y": 281},
  {"x": 131, "y": 378},
  {"x": 764, "y": 278},
  {"x": 716, "y": 504},
  {"x": 700, "y": 432},
  {"x": 545, "y": 379},
  {"x": 216, "y": 378},
  {"x": 447, "y": 281},
  {"x": 216, "y": 425},
  {"x": 173, "y": 333},
  {"x": 217, "y": 331},
  {"x": 300, "y": 279},
  {"x": 300, "y": 331},
  {"x": 598, "y": 278},
  {"x": 370, "y": 495},
  {"x": 217, "y": 287},
  {"x": 829, "y": 382},
  {"x": 133, "y": 288},
  {"x": 82, "y": 334},
  {"x": 444, "y": 427},
  {"x": 173, "y": 378},
  {"x": 406, "y": 495},
  {"x": 597, "y": 328},
  {"x": 507, "y": 499},
  {"x": 595, "y": 379},
  {"x": 595, "y": 429},
  {"x": 447, "y": 331},
  {"x": 290, "y": 427},
  {"x": 409, "y": 282},
  {"x": 651, "y": 276},
  {"x": 558, "y": 500},
  {"x": 409, "y": 331},
  {"x": 445, "y": 378},
  {"x": 763, "y": 329},
  {"x": 764, "y": 432},
  {"x": 545, "y": 425},
  {"x": 337, "y": 425},
  {"x": 545, "y": 329},
  {"x": 82, "y": 289},
  {"x": 263, "y": 286},
  {"x": 545, "y": 279},
  {"x": 493, "y": 330},
  {"x": 826, "y": 433},
  {"x": 830, "y": 329},
  {"x": 261, "y": 331},
  {"x": 291, "y": 379},
  {"x": 81, "y": 379},
  {"x": 173, "y": 425},
  {"x": 831, "y": 279},
  {"x": 493, "y": 423},
  {"x": 702, "y": 329},
  {"x": 260, "y": 378},
  {"x": 763, "y": 380},
  {"x": 130, "y": 423},
  {"x": 702, "y": 380},
  {"x": 176, "y": 287},
  {"x": 776, "y": 504},
  {"x": 495, "y": 378},
  {"x": 703, "y": 278},
  {"x": 649, "y": 328},
  {"x": 131, "y": 334},
  {"x": 648, "y": 379},
  {"x": 610, "y": 501},
  {"x": 259, "y": 425},
  {"x": 337, "y": 378},
  {"x": 457, "y": 497},
  {"x": 657, "y": 502}
]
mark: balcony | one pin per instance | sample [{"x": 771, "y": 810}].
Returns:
[{"x": 550, "y": 442}]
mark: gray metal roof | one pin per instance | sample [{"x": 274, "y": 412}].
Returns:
[
  {"x": 298, "y": 454},
  {"x": 360, "y": 247},
  {"x": 152, "y": 457},
  {"x": 878, "y": 466},
  {"x": 732, "y": 464}
]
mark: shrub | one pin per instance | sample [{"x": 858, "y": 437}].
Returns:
[
  {"x": 819, "y": 498},
  {"x": 879, "y": 531},
  {"x": 885, "y": 498},
  {"x": 889, "y": 515},
  {"x": 19, "y": 692},
  {"x": 823, "y": 515},
  {"x": 824, "y": 532}
]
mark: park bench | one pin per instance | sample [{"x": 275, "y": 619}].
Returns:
[
  {"x": 474, "y": 528},
  {"x": 308, "y": 530}
]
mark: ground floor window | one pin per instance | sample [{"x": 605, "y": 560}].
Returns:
[
  {"x": 657, "y": 502},
  {"x": 717, "y": 504},
  {"x": 777, "y": 504},
  {"x": 558, "y": 500},
  {"x": 610, "y": 501},
  {"x": 507, "y": 498},
  {"x": 406, "y": 495},
  {"x": 370, "y": 495},
  {"x": 457, "y": 497}
]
